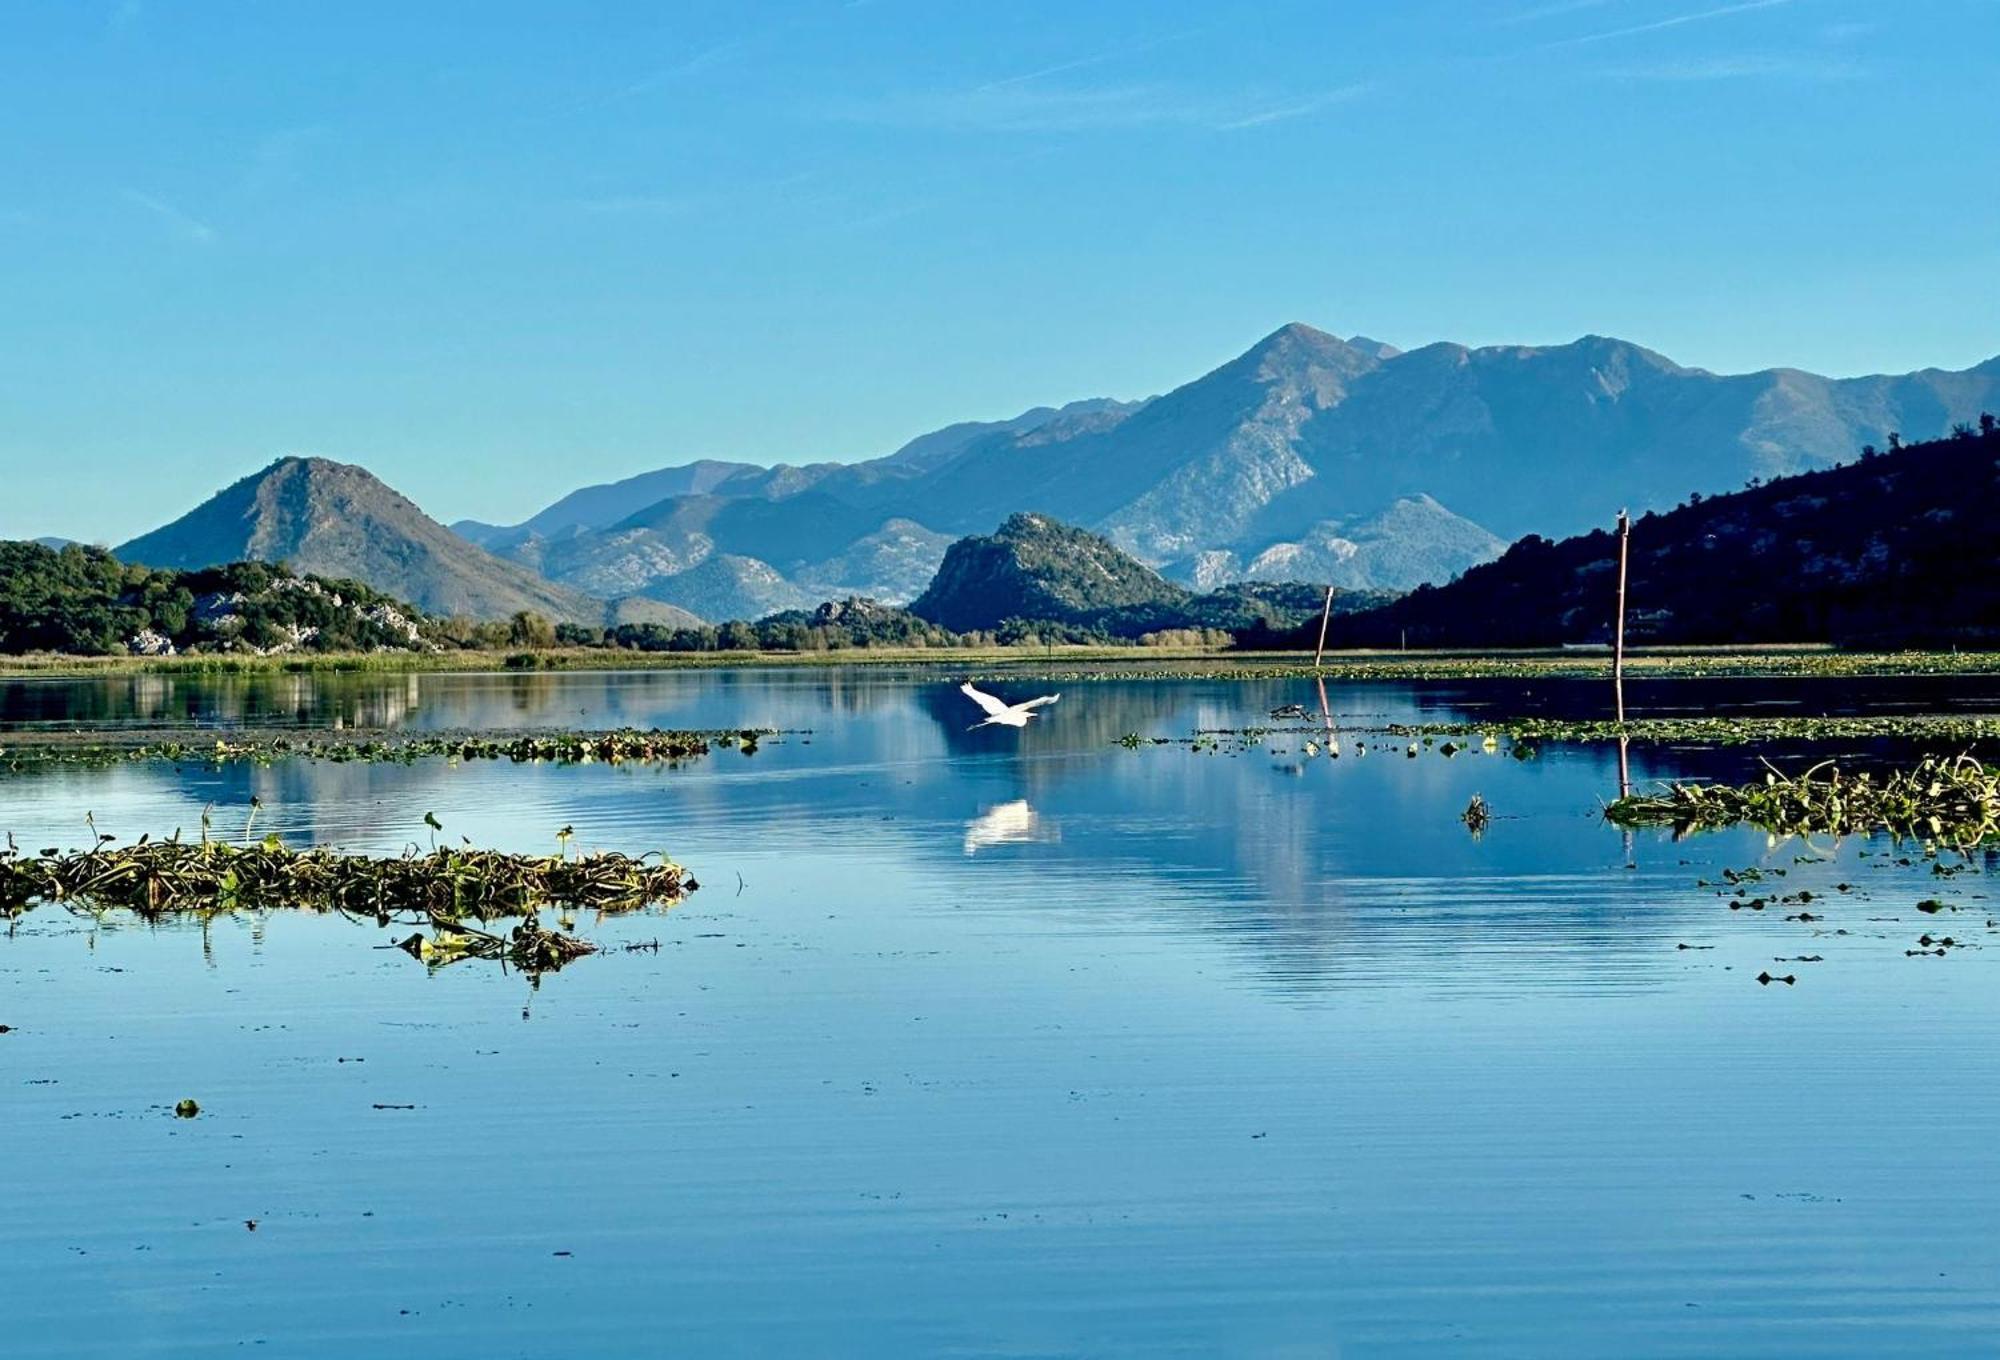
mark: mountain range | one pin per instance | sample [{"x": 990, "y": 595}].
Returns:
[{"x": 1307, "y": 457}]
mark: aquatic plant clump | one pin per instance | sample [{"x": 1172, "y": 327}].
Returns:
[
  {"x": 157, "y": 877},
  {"x": 622, "y": 746},
  {"x": 1478, "y": 814},
  {"x": 1956, "y": 800},
  {"x": 528, "y": 946}
]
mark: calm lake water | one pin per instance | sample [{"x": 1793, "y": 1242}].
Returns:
[{"x": 1016, "y": 1043}]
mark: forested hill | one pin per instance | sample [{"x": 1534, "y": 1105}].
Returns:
[
  {"x": 1900, "y": 547},
  {"x": 1034, "y": 570},
  {"x": 85, "y": 602},
  {"x": 1034, "y": 567}
]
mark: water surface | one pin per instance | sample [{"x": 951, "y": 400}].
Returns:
[{"x": 1005, "y": 1043}]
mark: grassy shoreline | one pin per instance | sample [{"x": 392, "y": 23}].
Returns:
[
  {"x": 563, "y": 658},
  {"x": 1068, "y": 662}
]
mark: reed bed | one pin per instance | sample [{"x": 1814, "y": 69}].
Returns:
[{"x": 1954, "y": 799}]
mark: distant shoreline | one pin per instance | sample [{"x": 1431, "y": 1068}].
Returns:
[{"x": 1082, "y": 662}]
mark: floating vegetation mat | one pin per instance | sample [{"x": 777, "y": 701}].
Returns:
[
  {"x": 622, "y": 746},
  {"x": 1955, "y": 729},
  {"x": 1954, "y": 800},
  {"x": 1579, "y": 664},
  {"x": 1317, "y": 741},
  {"x": 443, "y": 886}
]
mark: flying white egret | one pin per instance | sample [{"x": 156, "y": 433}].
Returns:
[{"x": 1003, "y": 714}]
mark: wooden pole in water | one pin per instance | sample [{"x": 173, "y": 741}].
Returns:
[
  {"x": 1618, "y": 629},
  {"x": 1325, "y": 613}
]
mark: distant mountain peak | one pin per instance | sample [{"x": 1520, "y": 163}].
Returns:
[
  {"x": 1301, "y": 330},
  {"x": 1294, "y": 362},
  {"x": 1298, "y": 336},
  {"x": 340, "y": 520},
  {"x": 316, "y": 465},
  {"x": 1376, "y": 349},
  {"x": 1611, "y": 347}
]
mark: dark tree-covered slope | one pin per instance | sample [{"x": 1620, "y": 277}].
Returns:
[{"x": 1900, "y": 547}]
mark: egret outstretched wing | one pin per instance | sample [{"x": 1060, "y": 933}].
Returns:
[
  {"x": 1038, "y": 703},
  {"x": 991, "y": 705}
]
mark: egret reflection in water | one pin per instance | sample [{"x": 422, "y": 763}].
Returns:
[{"x": 1007, "y": 824}]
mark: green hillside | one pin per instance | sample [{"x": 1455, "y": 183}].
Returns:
[{"x": 85, "y": 602}]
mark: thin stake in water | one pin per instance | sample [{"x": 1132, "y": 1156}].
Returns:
[{"x": 1618, "y": 655}]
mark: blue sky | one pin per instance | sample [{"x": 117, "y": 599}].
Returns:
[{"x": 493, "y": 251}]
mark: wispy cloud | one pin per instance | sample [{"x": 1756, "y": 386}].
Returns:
[
  {"x": 1672, "y": 21},
  {"x": 886, "y": 213},
  {"x": 185, "y": 225},
  {"x": 687, "y": 202},
  {"x": 1744, "y": 67},
  {"x": 1036, "y": 101},
  {"x": 1551, "y": 11},
  {"x": 648, "y": 205},
  {"x": 694, "y": 64},
  {"x": 278, "y": 160},
  {"x": 1092, "y": 59},
  {"x": 1025, "y": 108},
  {"x": 1298, "y": 108}
]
